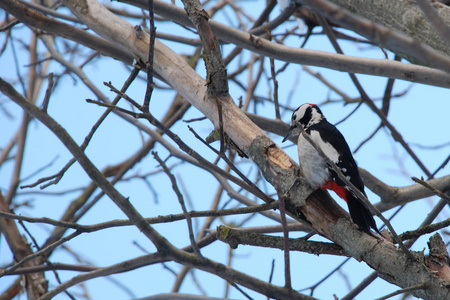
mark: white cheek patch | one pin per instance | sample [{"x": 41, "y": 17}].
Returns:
[{"x": 315, "y": 118}]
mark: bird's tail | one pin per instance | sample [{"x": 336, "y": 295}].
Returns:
[{"x": 360, "y": 214}]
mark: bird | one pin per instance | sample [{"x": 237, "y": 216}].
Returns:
[{"x": 318, "y": 172}]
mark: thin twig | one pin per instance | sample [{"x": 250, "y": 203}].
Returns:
[
  {"x": 48, "y": 92},
  {"x": 229, "y": 163},
  {"x": 156, "y": 220},
  {"x": 444, "y": 163},
  {"x": 58, "y": 176},
  {"x": 183, "y": 206},
  {"x": 53, "y": 266},
  {"x": 123, "y": 95},
  {"x": 39, "y": 253},
  {"x": 331, "y": 86},
  {"x": 275, "y": 89},
  {"x": 183, "y": 146},
  {"x": 314, "y": 286},
  {"x": 431, "y": 188},
  {"x": 387, "y": 96},
  {"x": 240, "y": 290},
  {"x": 149, "y": 64},
  {"x": 360, "y": 287},
  {"x": 282, "y": 208},
  {"x": 10, "y": 25},
  {"x": 421, "y": 286},
  {"x": 426, "y": 229},
  {"x": 349, "y": 115},
  {"x": 368, "y": 138},
  {"x": 181, "y": 276},
  {"x": 287, "y": 264},
  {"x": 275, "y": 82}
]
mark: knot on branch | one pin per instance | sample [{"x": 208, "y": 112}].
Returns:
[
  {"x": 438, "y": 262},
  {"x": 216, "y": 73},
  {"x": 224, "y": 234},
  {"x": 139, "y": 32}
]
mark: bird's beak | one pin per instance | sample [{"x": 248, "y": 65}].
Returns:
[{"x": 289, "y": 134}]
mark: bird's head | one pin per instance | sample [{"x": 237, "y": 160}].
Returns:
[{"x": 305, "y": 115}]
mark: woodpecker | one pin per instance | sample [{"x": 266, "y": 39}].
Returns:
[{"x": 317, "y": 172}]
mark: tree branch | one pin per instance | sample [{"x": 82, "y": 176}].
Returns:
[
  {"x": 379, "y": 67},
  {"x": 235, "y": 237},
  {"x": 160, "y": 242},
  {"x": 403, "y": 16},
  {"x": 393, "y": 40}
]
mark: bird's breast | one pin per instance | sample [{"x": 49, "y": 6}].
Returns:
[{"x": 312, "y": 164}]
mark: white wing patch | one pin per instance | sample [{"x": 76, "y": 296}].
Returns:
[{"x": 326, "y": 147}]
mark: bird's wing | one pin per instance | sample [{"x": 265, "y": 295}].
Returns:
[{"x": 331, "y": 138}]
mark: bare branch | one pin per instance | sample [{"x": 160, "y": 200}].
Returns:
[
  {"x": 305, "y": 56},
  {"x": 234, "y": 237},
  {"x": 89, "y": 168},
  {"x": 381, "y": 35},
  {"x": 183, "y": 206},
  {"x": 151, "y": 53},
  {"x": 403, "y": 16},
  {"x": 420, "y": 286},
  {"x": 434, "y": 190}
]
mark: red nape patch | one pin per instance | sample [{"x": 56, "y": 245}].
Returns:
[{"x": 339, "y": 190}]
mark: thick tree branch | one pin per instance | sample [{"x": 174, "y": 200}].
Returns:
[
  {"x": 244, "y": 40},
  {"x": 395, "y": 41},
  {"x": 402, "y": 15}
]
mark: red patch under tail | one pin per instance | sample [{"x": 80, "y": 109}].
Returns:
[{"x": 339, "y": 190}]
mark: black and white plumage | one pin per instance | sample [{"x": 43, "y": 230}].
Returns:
[{"x": 316, "y": 170}]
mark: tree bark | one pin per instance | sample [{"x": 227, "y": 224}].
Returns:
[{"x": 402, "y": 15}]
